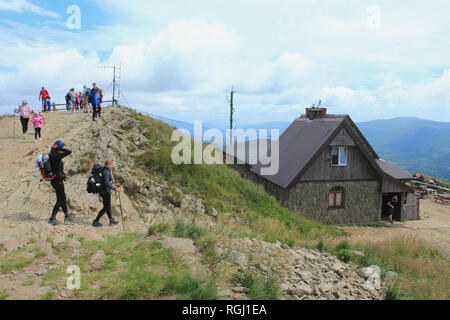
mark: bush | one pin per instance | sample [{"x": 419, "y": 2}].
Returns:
[
  {"x": 187, "y": 231},
  {"x": 344, "y": 255},
  {"x": 343, "y": 245}
]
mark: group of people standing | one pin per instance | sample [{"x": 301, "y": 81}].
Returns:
[
  {"x": 57, "y": 153},
  {"x": 90, "y": 100}
]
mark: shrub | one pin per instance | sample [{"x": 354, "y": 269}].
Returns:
[
  {"x": 344, "y": 255},
  {"x": 260, "y": 288},
  {"x": 343, "y": 245},
  {"x": 321, "y": 246}
]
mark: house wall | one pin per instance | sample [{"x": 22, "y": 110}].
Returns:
[
  {"x": 361, "y": 201},
  {"x": 357, "y": 168}
]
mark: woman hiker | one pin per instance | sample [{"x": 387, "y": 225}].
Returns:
[
  {"x": 106, "y": 195},
  {"x": 24, "y": 111},
  {"x": 58, "y": 153},
  {"x": 37, "y": 121}
]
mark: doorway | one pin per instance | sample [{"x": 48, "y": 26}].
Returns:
[{"x": 397, "y": 216}]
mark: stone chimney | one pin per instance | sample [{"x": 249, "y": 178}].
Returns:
[{"x": 316, "y": 113}]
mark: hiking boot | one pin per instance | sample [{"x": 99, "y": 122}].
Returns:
[
  {"x": 69, "y": 218},
  {"x": 113, "y": 222},
  {"x": 97, "y": 224},
  {"x": 53, "y": 222}
]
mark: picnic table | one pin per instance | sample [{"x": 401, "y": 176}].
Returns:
[
  {"x": 444, "y": 198},
  {"x": 431, "y": 191}
]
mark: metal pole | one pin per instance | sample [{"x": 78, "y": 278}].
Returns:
[
  {"x": 231, "y": 115},
  {"x": 121, "y": 211},
  {"x": 114, "y": 87}
]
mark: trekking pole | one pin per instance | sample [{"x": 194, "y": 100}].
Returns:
[{"x": 121, "y": 212}]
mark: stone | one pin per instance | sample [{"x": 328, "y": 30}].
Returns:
[
  {"x": 188, "y": 204},
  {"x": 180, "y": 245},
  {"x": 365, "y": 273},
  {"x": 239, "y": 257},
  {"x": 301, "y": 290},
  {"x": 357, "y": 253},
  {"x": 285, "y": 246},
  {"x": 200, "y": 207},
  {"x": 97, "y": 260},
  {"x": 43, "y": 290},
  {"x": 73, "y": 243},
  {"x": 325, "y": 287},
  {"x": 39, "y": 273},
  {"x": 391, "y": 276},
  {"x": 133, "y": 185},
  {"x": 284, "y": 286},
  {"x": 44, "y": 246},
  {"x": 240, "y": 290},
  {"x": 214, "y": 213}
]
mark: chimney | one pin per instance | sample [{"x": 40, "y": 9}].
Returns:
[{"x": 316, "y": 113}]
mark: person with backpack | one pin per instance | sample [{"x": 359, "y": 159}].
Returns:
[
  {"x": 43, "y": 97},
  {"x": 106, "y": 195},
  {"x": 57, "y": 153},
  {"x": 86, "y": 95},
  {"x": 24, "y": 111},
  {"x": 37, "y": 122},
  {"x": 100, "y": 94},
  {"x": 392, "y": 204},
  {"x": 95, "y": 101}
]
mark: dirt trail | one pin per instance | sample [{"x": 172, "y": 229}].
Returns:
[
  {"x": 26, "y": 201},
  {"x": 433, "y": 228}
]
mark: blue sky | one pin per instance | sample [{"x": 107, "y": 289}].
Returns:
[{"x": 179, "y": 57}]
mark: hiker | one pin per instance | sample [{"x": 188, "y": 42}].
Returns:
[
  {"x": 49, "y": 104},
  {"x": 100, "y": 93},
  {"x": 94, "y": 100},
  {"x": 43, "y": 97},
  {"x": 106, "y": 195},
  {"x": 57, "y": 153},
  {"x": 24, "y": 111},
  {"x": 86, "y": 95},
  {"x": 73, "y": 99},
  {"x": 37, "y": 122},
  {"x": 392, "y": 204},
  {"x": 80, "y": 100}
]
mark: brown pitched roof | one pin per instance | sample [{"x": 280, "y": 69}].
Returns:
[
  {"x": 298, "y": 145},
  {"x": 393, "y": 170}
]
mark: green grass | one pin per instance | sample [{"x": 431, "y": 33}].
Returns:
[
  {"x": 15, "y": 260},
  {"x": 158, "y": 229},
  {"x": 260, "y": 287},
  {"x": 28, "y": 283},
  {"x": 3, "y": 294},
  {"x": 135, "y": 269},
  {"x": 226, "y": 191}
]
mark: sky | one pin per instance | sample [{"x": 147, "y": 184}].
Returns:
[{"x": 370, "y": 59}]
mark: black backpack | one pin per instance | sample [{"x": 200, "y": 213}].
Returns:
[
  {"x": 68, "y": 98},
  {"x": 95, "y": 182}
]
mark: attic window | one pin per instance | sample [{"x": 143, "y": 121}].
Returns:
[
  {"x": 338, "y": 156},
  {"x": 336, "y": 198}
]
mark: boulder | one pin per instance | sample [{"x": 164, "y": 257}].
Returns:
[
  {"x": 133, "y": 185},
  {"x": 240, "y": 290},
  {"x": 301, "y": 290},
  {"x": 97, "y": 260},
  {"x": 214, "y": 213},
  {"x": 188, "y": 204},
  {"x": 365, "y": 273},
  {"x": 239, "y": 257},
  {"x": 73, "y": 243},
  {"x": 185, "y": 246}
]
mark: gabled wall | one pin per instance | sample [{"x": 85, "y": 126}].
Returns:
[{"x": 358, "y": 168}]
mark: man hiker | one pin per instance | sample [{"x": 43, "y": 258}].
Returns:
[
  {"x": 57, "y": 153},
  {"x": 43, "y": 97},
  {"x": 392, "y": 204},
  {"x": 95, "y": 101},
  {"x": 106, "y": 195}
]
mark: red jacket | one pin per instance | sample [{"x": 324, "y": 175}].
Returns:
[{"x": 43, "y": 95}]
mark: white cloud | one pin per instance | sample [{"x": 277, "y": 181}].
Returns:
[{"x": 23, "y": 6}]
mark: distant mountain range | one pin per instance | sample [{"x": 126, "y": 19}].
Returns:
[{"x": 414, "y": 144}]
